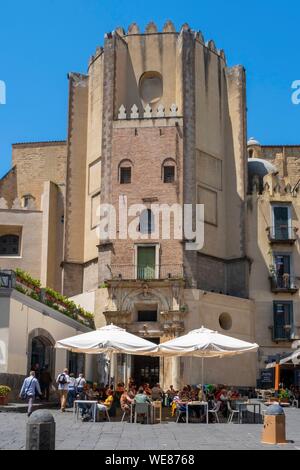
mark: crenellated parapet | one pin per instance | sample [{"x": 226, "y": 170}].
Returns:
[
  {"x": 17, "y": 204},
  {"x": 149, "y": 112}
]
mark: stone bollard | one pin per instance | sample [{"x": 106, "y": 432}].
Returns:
[
  {"x": 274, "y": 426},
  {"x": 40, "y": 432}
]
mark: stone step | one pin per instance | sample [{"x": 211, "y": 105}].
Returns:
[{"x": 22, "y": 407}]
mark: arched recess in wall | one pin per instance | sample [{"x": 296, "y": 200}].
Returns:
[
  {"x": 40, "y": 350},
  {"x": 169, "y": 170},
  {"x": 125, "y": 171},
  {"x": 151, "y": 87}
]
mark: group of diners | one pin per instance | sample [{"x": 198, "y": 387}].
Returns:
[{"x": 126, "y": 397}]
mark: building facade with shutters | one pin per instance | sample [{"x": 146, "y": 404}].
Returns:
[{"x": 158, "y": 121}]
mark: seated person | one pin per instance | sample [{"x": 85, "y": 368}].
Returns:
[
  {"x": 184, "y": 394},
  {"x": 125, "y": 401},
  {"x": 171, "y": 393},
  {"x": 148, "y": 390},
  {"x": 107, "y": 404},
  {"x": 141, "y": 396},
  {"x": 157, "y": 393}
]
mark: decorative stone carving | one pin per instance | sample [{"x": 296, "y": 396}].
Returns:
[
  {"x": 160, "y": 111},
  {"x": 3, "y": 203},
  {"x": 169, "y": 27},
  {"x": 133, "y": 29},
  {"x": 17, "y": 204},
  {"x": 185, "y": 27},
  {"x": 134, "y": 112},
  {"x": 200, "y": 37},
  {"x": 211, "y": 45},
  {"x": 122, "y": 112},
  {"x": 173, "y": 110},
  {"x": 151, "y": 27},
  {"x": 120, "y": 31},
  {"x": 148, "y": 111}
]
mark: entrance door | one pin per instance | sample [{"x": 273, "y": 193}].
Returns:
[
  {"x": 146, "y": 262},
  {"x": 145, "y": 368}
]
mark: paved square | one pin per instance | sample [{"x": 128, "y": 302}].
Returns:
[{"x": 71, "y": 435}]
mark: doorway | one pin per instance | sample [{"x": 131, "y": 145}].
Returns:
[{"x": 146, "y": 369}]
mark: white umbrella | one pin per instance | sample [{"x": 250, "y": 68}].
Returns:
[
  {"x": 109, "y": 339},
  {"x": 206, "y": 343}
]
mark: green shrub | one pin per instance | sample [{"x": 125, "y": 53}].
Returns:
[{"x": 4, "y": 391}]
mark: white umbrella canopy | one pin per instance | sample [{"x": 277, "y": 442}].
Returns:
[
  {"x": 109, "y": 339},
  {"x": 205, "y": 343}
]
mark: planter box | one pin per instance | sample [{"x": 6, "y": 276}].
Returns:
[{"x": 3, "y": 401}]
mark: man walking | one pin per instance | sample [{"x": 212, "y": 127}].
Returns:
[
  {"x": 63, "y": 381},
  {"x": 29, "y": 390}
]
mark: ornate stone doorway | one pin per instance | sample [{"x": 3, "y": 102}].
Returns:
[{"x": 146, "y": 369}]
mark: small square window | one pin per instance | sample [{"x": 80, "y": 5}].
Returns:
[
  {"x": 125, "y": 175},
  {"x": 169, "y": 174}
]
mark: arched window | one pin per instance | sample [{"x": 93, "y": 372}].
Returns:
[
  {"x": 125, "y": 172},
  {"x": 251, "y": 153},
  {"x": 27, "y": 200},
  {"x": 169, "y": 171},
  {"x": 9, "y": 245},
  {"x": 147, "y": 224}
]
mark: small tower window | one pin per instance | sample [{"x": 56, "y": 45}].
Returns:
[
  {"x": 169, "y": 171},
  {"x": 169, "y": 174},
  {"x": 125, "y": 175},
  {"x": 27, "y": 201}
]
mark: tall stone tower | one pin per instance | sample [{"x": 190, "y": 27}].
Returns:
[{"x": 159, "y": 119}]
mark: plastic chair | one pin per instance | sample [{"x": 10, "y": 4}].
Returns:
[
  {"x": 141, "y": 409},
  {"x": 215, "y": 411},
  {"x": 232, "y": 413},
  {"x": 180, "y": 412},
  {"x": 105, "y": 411}
]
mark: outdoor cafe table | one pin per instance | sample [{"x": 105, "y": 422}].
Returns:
[
  {"x": 244, "y": 406},
  {"x": 93, "y": 404},
  {"x": 196, "y": 403}
]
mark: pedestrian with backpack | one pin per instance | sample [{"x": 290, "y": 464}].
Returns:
[
  {"x": 63, "y": 381},
  {"x": 29, "y": 390}
]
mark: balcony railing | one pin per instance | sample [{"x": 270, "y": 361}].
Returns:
[
  {"x": 284, "y": 233},
  {"x": 282, "y": 332},
  {"x": 147, "y": 273},
  {"x": 284, "y": 283}
]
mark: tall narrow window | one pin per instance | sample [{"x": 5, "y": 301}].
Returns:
[
  {"x": 169, "y": 174},
  {"x": 282, "y": 222},
  {"x": 283, "y": 270},
  {"x": 9, "y": 245},
  {"x": 125, "y": 175},
  {"x": 169, "y": 170},
  {"x": 283, "y": 321}
]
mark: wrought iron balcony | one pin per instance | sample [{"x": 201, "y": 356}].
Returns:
[
  {"x": 147, "y": 273},
  {"x": 282, "y": 333},
  {"x": 283, "y": 283},
  {"x": 7, "y": 279},
  {"x": 282, "y": 234}
]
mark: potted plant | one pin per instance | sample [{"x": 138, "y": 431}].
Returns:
[{"x": 4, "y": 392}]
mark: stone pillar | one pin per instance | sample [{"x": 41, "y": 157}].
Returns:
[
  {"x": 176, "y": 373},
  {"x": 40, "y": 433}
]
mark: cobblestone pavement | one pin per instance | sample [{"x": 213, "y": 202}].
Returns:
[{"x": 72, "y": 435}]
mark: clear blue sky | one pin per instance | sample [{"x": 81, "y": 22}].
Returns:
[{"x": 41, "y": 41}]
